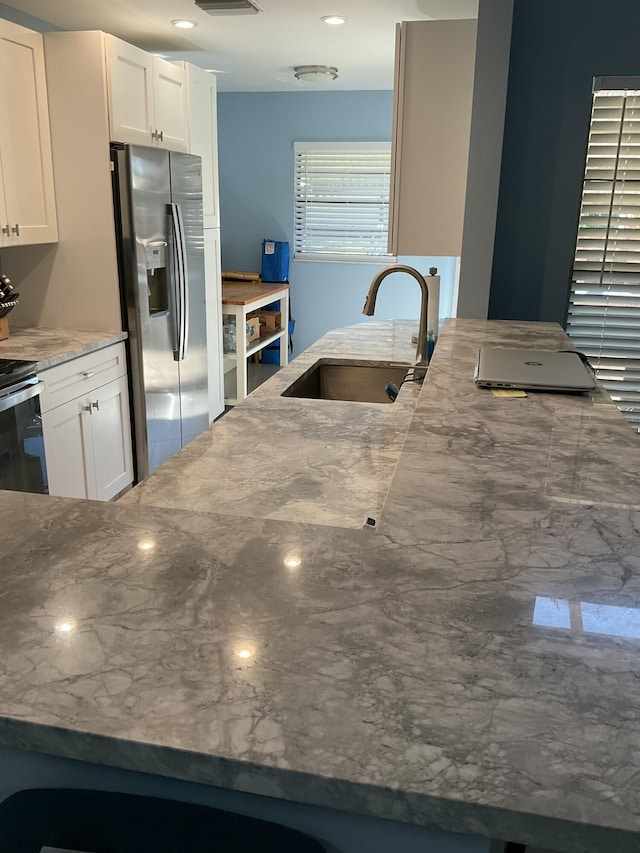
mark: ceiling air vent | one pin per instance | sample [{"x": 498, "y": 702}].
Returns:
[{"x": 229, "y": 7}]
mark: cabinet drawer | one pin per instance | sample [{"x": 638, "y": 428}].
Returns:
[{"x": 67, "y": 381}]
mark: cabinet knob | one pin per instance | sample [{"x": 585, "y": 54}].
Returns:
[
  {"x": 7, "y": 230},
  {"x": 86, "y": 409},
  {"x": 96, "y": 405},
  {"x": 88, "y": 374},
  {"x": 162, "y": 136},
  {"x": 16, "y": 229}
]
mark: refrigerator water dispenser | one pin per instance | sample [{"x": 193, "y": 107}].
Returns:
[{"x": 157, "y": 284}]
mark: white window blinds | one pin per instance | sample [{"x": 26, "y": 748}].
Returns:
[
  {"x": 604, "y": 307},
  {"x": 342, "y": 199}
]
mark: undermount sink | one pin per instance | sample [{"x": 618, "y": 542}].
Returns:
[{"x": 355, "y": 381}]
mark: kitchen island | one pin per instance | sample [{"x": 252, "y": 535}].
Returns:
[{"x": 469, "y": 665}]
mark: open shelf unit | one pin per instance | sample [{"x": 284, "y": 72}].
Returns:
[{"x": 239, "y": 299}]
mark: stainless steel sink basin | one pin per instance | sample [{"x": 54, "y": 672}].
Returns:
[{"x": 357, "y": 381}]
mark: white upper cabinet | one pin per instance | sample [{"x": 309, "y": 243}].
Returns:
[
  {"x": 203, "y": 136},
  {"x": 82, "y": 103},
  {"x": 433, "y": 95},
  {"x": 147, "y": 97},
  {"x": 130, "y": 92},
  {"x": 27, "y": 203},
  {"x": 171, "y": 105}
]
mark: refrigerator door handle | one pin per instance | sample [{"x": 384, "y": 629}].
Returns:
[
  {"x": 185, "y": 287},
  {"x": 177, "y": 275},
  {"x": 181, "y": 282}
]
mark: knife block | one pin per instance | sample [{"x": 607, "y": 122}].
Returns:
[{"x": 4, "y": 328}]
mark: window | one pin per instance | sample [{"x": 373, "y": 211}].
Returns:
[
  {"x": 342, "y": 200},
  {"x": 604, "y": 306}
]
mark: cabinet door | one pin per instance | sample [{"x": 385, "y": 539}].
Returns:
[
  {"x": 80, "y": 376},
  {"x": 68, "y": 444},
  {"x": 213, "y": 291},
  {"x": 170, "y": 105},
  {"x": 25, "y": 140},
  {"x": 111, "y": 427},
  {"x": 203, "y": 137},
  {"x": 130, "y": 86},
  {"x": 433, "y": 94},
  {"x": 5, "y": 228}
]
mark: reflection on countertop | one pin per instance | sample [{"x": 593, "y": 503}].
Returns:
[{"x": 405, "y": 672}]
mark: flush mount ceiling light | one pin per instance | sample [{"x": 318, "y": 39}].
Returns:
[
  {"x": 184, "y": 25},
  {"x": 336, "y": 20},
  {"x": 315, "y": 73}
]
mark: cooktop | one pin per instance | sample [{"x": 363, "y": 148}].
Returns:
[{"x": 13, "y": 370}]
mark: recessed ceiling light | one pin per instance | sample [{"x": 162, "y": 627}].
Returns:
[
  {"x": 334, "y": 19},
  {"x": 184, "y": 25}
]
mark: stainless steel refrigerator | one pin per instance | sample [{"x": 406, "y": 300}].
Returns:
[{"x": 160, "y": 236}]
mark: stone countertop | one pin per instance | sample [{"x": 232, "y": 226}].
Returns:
[
  {"x": 317, "y": 461},
  {"x": 471, "y": 664},
  {"x": 54, "y": 346}
]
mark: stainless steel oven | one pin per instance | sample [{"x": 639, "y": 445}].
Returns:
[{"x": 22, "y": 462}]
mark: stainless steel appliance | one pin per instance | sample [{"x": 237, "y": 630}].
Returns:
[
  {"x": 160, "y": 234},
  {"x": 22, "y": 462}
]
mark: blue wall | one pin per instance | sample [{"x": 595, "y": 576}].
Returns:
[
  {"x": 256, "y": 132},
  {"x": 18, "y": 17},
  {"x": 556, "y": 50}
]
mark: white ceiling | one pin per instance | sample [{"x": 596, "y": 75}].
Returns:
[{"x": 258, "y": 52}]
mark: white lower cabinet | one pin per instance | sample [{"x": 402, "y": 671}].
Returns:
[
  {"x": 87, "y": 438},
  {"x": 68, "y": 442}
]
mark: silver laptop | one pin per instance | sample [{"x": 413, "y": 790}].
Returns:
[{"x": 532, "y": 370}]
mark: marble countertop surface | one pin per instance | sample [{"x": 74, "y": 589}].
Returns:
[
  {"x": 317, "y": 461},
  {"x": 471, "y": 664},
  {"x": 50, "y": 346}
]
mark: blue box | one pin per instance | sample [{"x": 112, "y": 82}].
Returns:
[
  {"x": 275, "y": 260},
  {"x": 270, "y": 355}
]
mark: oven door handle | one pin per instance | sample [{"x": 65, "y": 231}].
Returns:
[{"x": 20, "y": 396}]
